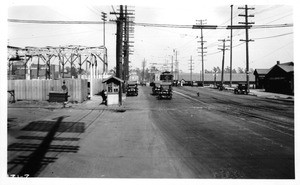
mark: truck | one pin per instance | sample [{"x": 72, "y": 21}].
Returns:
[{"x": 165, "y": 90}]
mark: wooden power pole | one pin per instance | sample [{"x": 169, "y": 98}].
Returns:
[
  {"x": 223, "y": 61},
  {"x": 119, "y": 48},
  {"x": 247, "y": 40},
  {"x": 231, "y": 17}
]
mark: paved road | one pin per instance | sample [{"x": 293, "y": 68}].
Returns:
[
  {"x": 215, "y": 135},
  {"x": 219, "y": 134}
]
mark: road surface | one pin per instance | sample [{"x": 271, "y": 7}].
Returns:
[{"x": 215, "y": 135}]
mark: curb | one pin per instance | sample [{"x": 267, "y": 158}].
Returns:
[{"x": 276, "y": 97}]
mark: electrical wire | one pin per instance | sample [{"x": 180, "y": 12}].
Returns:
[
  {"x": 274, "y": 36},
  {"x": 140, "y": 24},
  {"x": 280, "y": 18},
  {"x": 272, "y": 52},
  {"x": 267, "y": 9},
  {"x": 114, "y": 11},
  {"x": 96, "y": 13},
  {"x": 46, "y": 36}
]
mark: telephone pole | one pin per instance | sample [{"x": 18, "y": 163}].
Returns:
[
  {"x": 143, "y": 68},
  {"x": 104, "y": 16},
  {"x": 119, "y": 47},
  {"x": 191, "y": 69},
  {"x": 201, "y": 26},
  {"x": 201, "y": 22},
  {"x": 172, "y": 63},
  {"x": 247, "y": 40},
  {"x": 104, "y": 19},
  {"x": 128, "y": 29},
  {"x": 231, "y": 17},
  {"x": 176, "y": 66},
  {"x": 223, "y": 61}
]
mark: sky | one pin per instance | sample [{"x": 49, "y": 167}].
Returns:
[{"x": 157, "y": 44}]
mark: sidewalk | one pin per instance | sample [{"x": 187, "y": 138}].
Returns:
[
  {"x": 264, "y": 94},
  {"x": 94, "y": 103},
  {"x": 20, "y": 113},
  {"x": 91, "y": 140}
]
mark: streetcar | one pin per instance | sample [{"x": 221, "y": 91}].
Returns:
[{"x": 165, "y": 90}]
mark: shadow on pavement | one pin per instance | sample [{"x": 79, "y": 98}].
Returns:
[{"x": 31, "y": 157}]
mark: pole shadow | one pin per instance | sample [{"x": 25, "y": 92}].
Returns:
[{"x": 31, "y": 165}]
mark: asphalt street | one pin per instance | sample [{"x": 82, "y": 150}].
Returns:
[{"x": 214, "y": 135}]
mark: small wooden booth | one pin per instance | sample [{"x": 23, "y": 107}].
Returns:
[{"x": 112, "y": 85}]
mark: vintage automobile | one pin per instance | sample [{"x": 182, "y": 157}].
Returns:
[
  {"x": 241, "y": 89},
  {"x": 155, "y": 87},
  {"x": 165, "y": 91},
  {"x": 132, "y": 88},
  {"x": 143, "y": 83}
]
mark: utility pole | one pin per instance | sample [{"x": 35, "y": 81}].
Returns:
[
  {"x": 143, "y": 66},
  {"x": 191, "y": 69},
  {"x": 202, "y": 48},
  {"x": 247, "y": 40},
  {"x": 201, "y": 26},
  {"x": 223, "y": 61},
  {"x": 176, "y": 65},
  {"x": 231, "y": 6},
  {"x": 130, "y": 35},
  {"x": 119, "y": 47},
  {"x": 172, "y": 64},
  {"x": 125, "y": 46},
  {"x": 104, "y": 16},
  {"x": 126, "y": 51}
]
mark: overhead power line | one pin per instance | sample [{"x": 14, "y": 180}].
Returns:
[
  {"x": 273, "y": 36},
  {"x": 139, "y": 24}
]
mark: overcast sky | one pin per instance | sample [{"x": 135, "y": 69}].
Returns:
[{"x": 156, "y": 44}]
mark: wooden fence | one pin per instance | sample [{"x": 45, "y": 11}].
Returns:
[
  {"x": 97, "y": 86},
  {"x": 39, "y": 89}
]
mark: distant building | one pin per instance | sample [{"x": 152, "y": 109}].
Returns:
[
  {"x": 209, "y": 78},
  {"x": 280, "y": 78},
  {"x": 260, "y": 78}
]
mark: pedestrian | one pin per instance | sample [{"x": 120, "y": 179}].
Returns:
[
  {"x": 104, "y": 96},
  {"x": 64, "y": 87},
  {"x": 65, "y": 90}
]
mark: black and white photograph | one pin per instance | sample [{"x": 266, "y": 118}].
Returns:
[{"x": 132, "y": 92}]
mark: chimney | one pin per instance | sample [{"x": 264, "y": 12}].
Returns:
[{"x": 278, "y": 62}]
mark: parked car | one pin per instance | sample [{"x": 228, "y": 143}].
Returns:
[{"x": 241, "y": 89}]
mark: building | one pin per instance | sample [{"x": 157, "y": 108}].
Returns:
[
  {"x": 280, "y": 78},
  {"x": 260, "y": 78},
  {"x": 212, "y": 78}
]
